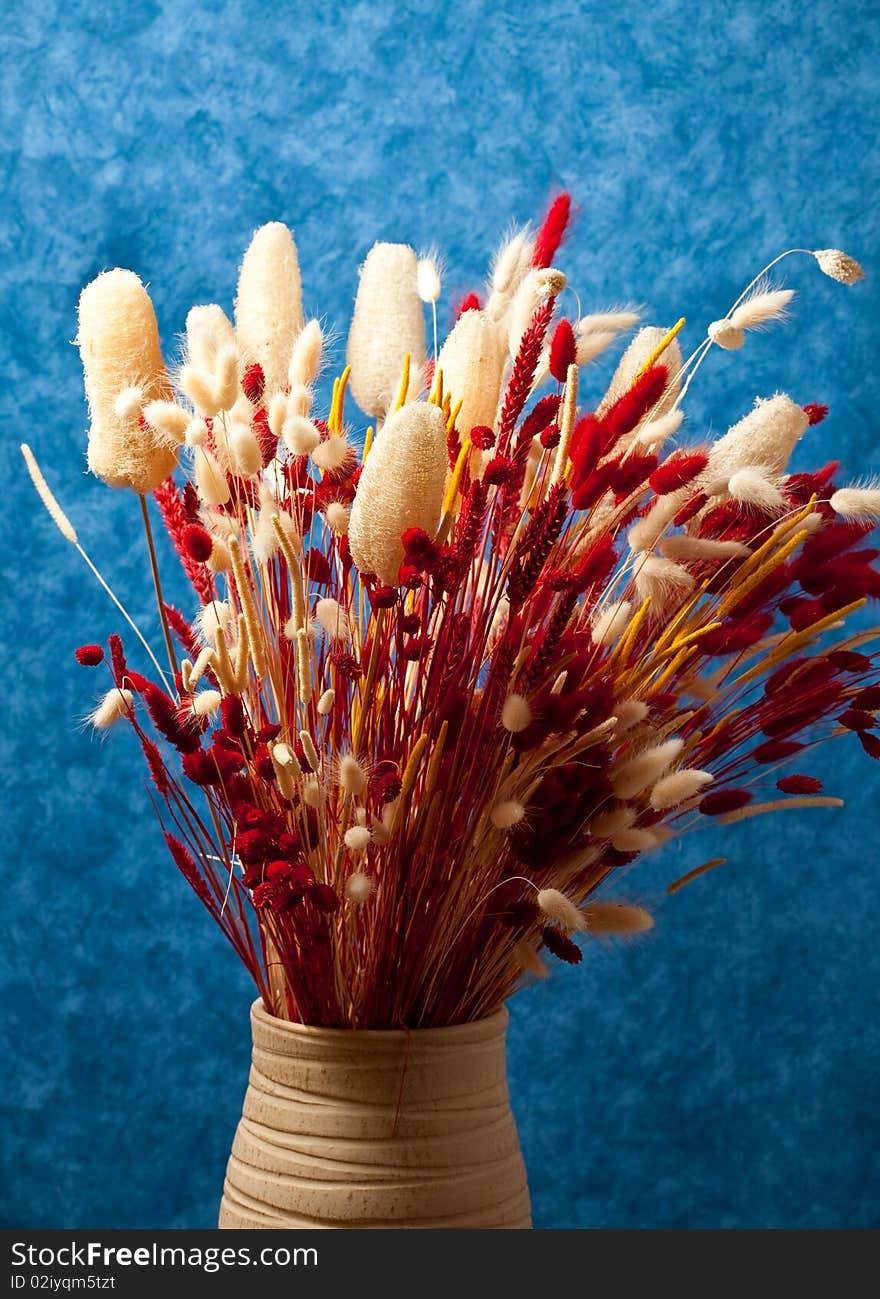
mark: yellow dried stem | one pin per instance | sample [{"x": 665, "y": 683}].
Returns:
[
  {"x": 566, "y": 426},
  {"x": 249, "y": 609},
  {"x": 695, "y": 874},
  {"x": 661, "y": 347},
  {"x": 777, "y": 805},
  {"x": 304, "y": 665},
  {"x": 404, "y": 383}
]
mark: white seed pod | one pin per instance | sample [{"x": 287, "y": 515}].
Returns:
[
  {"x": 313, "y": 792},
  {"x": 657, "y": 431},
  {"x": 333, "y": 619},
  {"x": 212, "y": 619},
  {"x": 682, "y": 546},
  {"x": 305, "y": 358},
  {"x": 840, "y": 266},
  {"x": 401, "y": 486},
  {"x": 387, "y": 324},
  {"x": 299, "y": 400},
  {"x": 428, "y": 279},
  {"x": 325, "y": 703},
  {"x": 629, "y": 713},
  {"x": 206, "y": 702},
  {"x": 516, "y": 714},
  {"x": 762, "y": 307},
  {"x": 616, "y": 918},
  {"x": 610, "y": 622},
  {"x": 592, "y": 344},
  {"x": 119, "y": 346},
  {"x": 506, "y": 814},
  {"x": 357, "y": 838},
  {"x": 678, "y": 787},
  {"x": 857, "y": 503},
  {"x": 115, "y": 705},
  {"x": 635, "y": 356},
  {"x": 630, "y": 777},
  {"x": 268, "y": 305},
  {"x": 208, "y": 329},
  {"x": 245, "y": 451},
  {"x": 510, "y": 265},
  {"x": 168, "y": 419},
  {"x": 724, "y": 333},
  {"x": 211, "y": 484},
  {"x": 200, "y": 389},
  {"x": 351, "y": 775},
  {"x": 765, "y": 438},
  {"x": 195, "y": 433},
  {"x": 607, "y": 824},
  {"x": 277, "y": 413},
  {"x": 608, "y": 322},
  {"x": 634, "y": 840},
  {"x": 529, "y": 961},
  {"x": 332, "y": 453},
  {"x": 226, "y": 377},
  {"x": 220, "y": 560},
  {"x": 662, "y": 580},
  {"x": 129, "y": 403},
  {"x": 337, "y": 516},
  {"x": 359, "y": 887},
  {"x": 560, "y": 909},
  {"x": 754, "y": 487},
  {"x": 472, "y": 361}
]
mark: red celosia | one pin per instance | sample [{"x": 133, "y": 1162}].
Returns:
[
  {"x": 563, "y": 350},
  {"x": 482, "y": 437},
  {"x": 419, "y": 550},
  {"x": 168, "y": 722},
  {"x": 382, "y": 597},
  {"x": 89, "y": 655},
  {"x": 550, "y": 236},
  {"x": 197, "y": 543},
  {"x": 519, "y": 384},
  {"x": 677, "y": 471}
]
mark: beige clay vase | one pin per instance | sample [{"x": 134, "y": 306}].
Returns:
[{"x": 376, "y": 1129}]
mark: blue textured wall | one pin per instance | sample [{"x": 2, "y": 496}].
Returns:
[{"x": 721, "y": 1072}]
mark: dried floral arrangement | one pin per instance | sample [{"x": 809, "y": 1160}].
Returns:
[{"x": 448, "y": 680}]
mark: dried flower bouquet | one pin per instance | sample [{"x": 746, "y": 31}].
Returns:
[{"x": 448, "y": 680}]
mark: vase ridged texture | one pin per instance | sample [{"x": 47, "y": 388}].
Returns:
[{"x": 376, "y": 1129}]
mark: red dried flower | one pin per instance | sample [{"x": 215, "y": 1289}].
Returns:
[
  {"x": 815, "y": 412},
  {"x": 871, "y": 744},
  {"x": 550, "y": 236},
  {"x": 677, "y": 471},
  {"x": 188, "y": 869},
  {"x": 500, "y": 471},
  {"x": 724, "y": 800},
  {"x": 471, "y": 302},
  {"x": 382, "y": 597},
  {"x": 550, "y": 437},
  {"x": 167, "y": 720},
  {"x": 324, "y": 897},
  {"x": 561, "y": 945},
  {"x": 799, "y": 785},
  {"x": 419, "y": 549},
  {"x": 317, "y": 567},
  {"x": 630, "y": 473},
  {"x": 232, "y": 711},
  {"x": 775, "y": 751},
  {"x": 856, "y": 719},
  {"x": 345, "y": 664},
  {"x": 253, "y": 383},
  {"x": 690, "y": 508},
  {"x": 197, "y": 543},
  {"x": 482, "y": 437},
  {"x": 563, "y": 350},
  {"x": 89, "y": 655}
]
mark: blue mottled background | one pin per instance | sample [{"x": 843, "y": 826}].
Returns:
[{"x": 722, "y": 1072}]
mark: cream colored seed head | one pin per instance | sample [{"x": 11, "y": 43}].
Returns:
[
  {"x": 401, "y": 486},
  {"x": 268, "y": 308},
  {"x": 119, "y": 345},
  {"x": 388, "y": 323},
  {"x": 472, "y": 360}
]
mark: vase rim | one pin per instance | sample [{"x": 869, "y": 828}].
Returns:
[{"x": 471, "y": 1030}]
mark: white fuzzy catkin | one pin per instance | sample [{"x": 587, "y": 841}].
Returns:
[
  {"x": 592, "y": 344},
  {"x": 333, "y": 619},
  {"x": 313, "y": 792},
  {"x": 616, "y": 918},
  {"x": 211, "y": 484},
  {"x": 387, "y": 324},
  {"x": 529, "y": 960},
  {"x": 57, "y": 515},
  {"x": 428, "y": 279},
  {"x": 359, "y": 887},
  {"x": 657, "y": 431},
  {"x": 610, "y": 622},
  {"x": 268, "y": 305},
  {"x": 115, "y": 705},
  {"x": 754, "y": 487},
  {"x": 119, "y": 345},
  {"x": 678, "y": 787},
  {"x": 633, "y": 840},
  {"x": 357, "y": 838},
  {"x": 226, "y": 377},
  {"x": 724, "y": 333},
  {"x": 332, "y": 453},
  {"x": 206, "y": 702},
  {"x": 211, "y": 619},
  {"x": 326, "y": 702},
  {"x": 195, "y": 433},
  {"x": 245, "y": 451},
  {"x": 277, "y": 412},
  {"x": 516, "y": 714},
  {"x": 765, "y": 437},
  {"x": 857, "y": 503},
  {"x": 629, "y": 713},
  {"x": 607, "y": 824},
  {"x": 506, "y": 814},
  {"x": 635, "y": 356},
  {"x": 635, "y": 774},
  {"x": 351, "y": 775},
  {"x": 682, "y": 546},
  {"x": 661, "y": 579},
  {"x": 762, "y": 307},
  {"x": 608, "y": 322},
  {"x": 337, "y": 516},
  {"x": 208, "y": 329},
  {"x": 840, "y": 266},
  {"x": 472, "y": 360},
  {"x": 509, "y": 266},
  {"x": 300, "y": 435},
  {"x": 305, "y": 358},
  {"x": 560, "y": 909},
  {"x": 401, "y": 486},
  {"x": 129, "y": 402}
]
